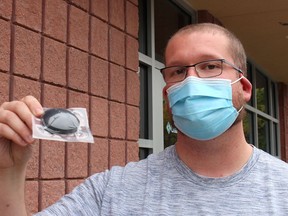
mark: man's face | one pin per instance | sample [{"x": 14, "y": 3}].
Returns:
[{"x": 191, "y": 48}]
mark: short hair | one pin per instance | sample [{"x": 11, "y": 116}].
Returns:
[{"x": 235, "y": 45}]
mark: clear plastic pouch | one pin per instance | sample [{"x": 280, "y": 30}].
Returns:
[{"x": 67, "y": 125}]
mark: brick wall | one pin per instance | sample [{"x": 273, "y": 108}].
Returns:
[{"x": 73, "y": 53}]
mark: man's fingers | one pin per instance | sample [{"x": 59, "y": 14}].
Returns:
[
  {"x": 34, "y": 105},
  {"x": 19, "y": 124},
  {"x": 10, "y": 134}
]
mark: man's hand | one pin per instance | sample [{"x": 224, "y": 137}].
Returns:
[{"x": 15, "y": 151}]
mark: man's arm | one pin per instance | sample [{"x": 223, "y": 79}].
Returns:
[{"x": 15, "y": 151}]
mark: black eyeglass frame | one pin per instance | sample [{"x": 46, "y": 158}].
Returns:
[{"x": 194, "y": 65}]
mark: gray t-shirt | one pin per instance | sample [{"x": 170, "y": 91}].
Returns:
[{"x": 163, "y": 185}]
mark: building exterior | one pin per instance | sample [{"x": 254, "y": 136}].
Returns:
[{"x": 105, "y": 56}]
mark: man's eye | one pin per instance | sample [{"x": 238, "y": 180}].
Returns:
[
  {"x": 180, "y": 71},
  {"x": 210, "y": 66}
]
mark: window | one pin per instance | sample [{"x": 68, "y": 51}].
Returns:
[
  {"x": 158, "y": 20},
  {"x": 261, "y": 125}
]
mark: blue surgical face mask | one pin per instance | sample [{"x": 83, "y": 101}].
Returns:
[{"x": 202, "y": 108}]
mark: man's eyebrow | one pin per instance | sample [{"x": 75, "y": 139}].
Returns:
[{"x": 200, "y": 58}]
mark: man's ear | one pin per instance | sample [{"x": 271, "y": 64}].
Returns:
[{"x": 247, "y": 88}]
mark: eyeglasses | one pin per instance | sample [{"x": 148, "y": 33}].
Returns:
[{"x": 204, "y": 69}]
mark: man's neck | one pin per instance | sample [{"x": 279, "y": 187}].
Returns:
[{"x": 220, "y": 157}]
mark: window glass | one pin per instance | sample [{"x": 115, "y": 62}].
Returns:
[
  {"x": 275, "y": 131},
  {"x": 262, "y": 92},
  {"x": 274, "y": 100},
  {"x": 145, "y": 98},
  {"x": 143, "y": 30},
  {"x": 263, "y": 134},
  {"x": 168, "y": 19},
  {"x": 248, "y": 127}
]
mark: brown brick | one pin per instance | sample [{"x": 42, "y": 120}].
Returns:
[
  {"x": 54, "y": 97},
  {"x": 77, "y": 99},
  {"x": 99, "y": 117},
  {"x": 82, "y": 3},
  {"x": 51, "y": 192},
  {"x": 79, "y": 28},
  {"x": 71, "y": 184},
  {"x": 117, "y": 83},
  {"x": 33, "y": 164},
  {"x": 27, "y": 53},
  {"x": 29, "y": 13},
  {"x": 100, "y": 8},
  {"x": 117, "y": 46},
  {"x": 99, "y": 77},
  {"x": 132, "y": 19},
  {"x": 117, "y": 120},
  {"x": 132, "y": 151},
  {"x": 4, "y": 90},
  {"x": 133, "y": 122},
  {"x": 117, "y": 153},
  {"x": 116, "y": 13},
  {"x": 6, "y": 8},
  {"x": 99, "y": 38},
  {"x": 54, "y": 68},
  {"x": 133, "y": 88},
  {"x": 4, "y": 45},
  {"x": 77, "y": 164},
  {"x": 52, "y": 159},
  {"x": 31, "y": 196},
  {"x": 99, "y": 156},
  {"x": 78, "y": 70},
  {"x": 56, "y": 19},
  {"x": 24, "y": 87},
  {"x": 132, "y": 58}
]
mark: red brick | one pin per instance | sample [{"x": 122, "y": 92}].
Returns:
[
  {"x": 54, "y": 68},
  {"x": 99, "y": 38},
  {"x": 100, "y": 8},
  {"x": 117, "y": 153},
  {"x": 132, "y": 58},
  {"x": 24, "y": 87},
  {"x": 78, "y": 70},
  {"x": 4, "y": 45},
  {"x": 116, "y": 13},
  {"x": 56, "y": 19},
  {"x": 71, "y": 184},
  {"x": 133, "y": 122},
  {"x": 99, "y": 77},
  {"x": 82, "y": 3},
  {"x": 98, "y": 156},
  {"x": 132, "y": 19},
  {"x": 31, "y": 196},
  {"x": 6, "y": 8},
  {"x": 132, "y": 151},
  {"x": 77, "y": 164},
  {"x": 79, "y": 28},
  {"x": 99, "y": 117},
  {"x": 4, "y": 90},
  {"x": 29, "y": 13},
  {"x": 27, "y": 53},
  {"x": 54, "y": 97},
  {"x": 33, "y": 164},
  {"x": 117, "y": 83},
  {"x": 51, "y": 192},
  {"x": 52, "y": 159},
  {"x": 117, "y": 46},
  {"x": 77, "y": 99},
  {"x": 133, "y": 88},
  {"x": 117, "y": 120}
]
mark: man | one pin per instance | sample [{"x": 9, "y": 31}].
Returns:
[{"x": 211, "y": 170}]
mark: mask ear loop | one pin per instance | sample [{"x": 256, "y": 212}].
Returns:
[{"x": 241, "y": 76}]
